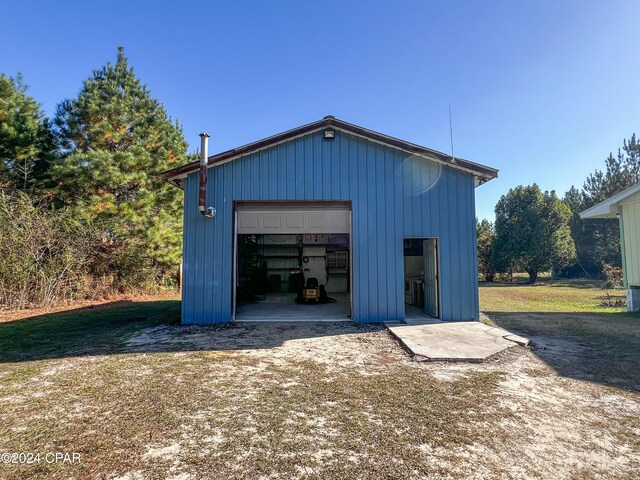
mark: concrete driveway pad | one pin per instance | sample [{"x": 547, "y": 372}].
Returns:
[{"x": 454, "y": 341}]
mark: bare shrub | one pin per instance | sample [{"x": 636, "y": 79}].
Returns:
[
  {"x": 612, "y": 276},
  {"x": 613, "y": 279},
  {"x": 52, "y": 255},
  {"x": 44, "y": 253}
]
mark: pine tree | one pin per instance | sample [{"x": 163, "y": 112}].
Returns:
[
  {"x": 598, "y": 241},
  {"x": 117, "y": 140},
  {"x": 27, "y": 145}
]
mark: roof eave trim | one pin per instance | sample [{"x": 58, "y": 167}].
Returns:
[
  {"x": 609, "y": 208},
  {"x": 589, "y": 215},
  {"x": 481, "y": 172}
]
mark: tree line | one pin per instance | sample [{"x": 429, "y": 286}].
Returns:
[
  {"x": 536, "y": 231},
  {"x": 83, "y": 210}
]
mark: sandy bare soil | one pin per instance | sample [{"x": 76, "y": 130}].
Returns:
[
  {"x": 314, "y": 400},
  {"x": 555, "y": 428},
  {"x": 311, "y": 401}
]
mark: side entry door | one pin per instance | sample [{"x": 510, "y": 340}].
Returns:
[{"x": 430, "y": 257}]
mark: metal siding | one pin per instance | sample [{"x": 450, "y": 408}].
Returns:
[
  {"x": 630, "y": 239},
  {"x": 448, "y": 247},
  {"x": 391, "y": 199},
  {"x": 395, "y": 249},
  {"x": 207, "y": 251},
  {"x": 187, "y": 241},
  {"x": 473, "y": 251},
  {"x": 389, "y": 258},
  {"x": 456, "y": 285},
  {"x": 623, "y": 250},
  {"x": 375, "y": 252},
  {"x": 227, "y": 265}
]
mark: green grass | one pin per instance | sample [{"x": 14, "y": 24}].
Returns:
[
  {"x": 91, "y": 330},
  {"x": 548, "y": 296},
  {"x": 577, "y": 335}
]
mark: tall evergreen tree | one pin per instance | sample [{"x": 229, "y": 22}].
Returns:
[
  {"x": 27, "y": 145},
  {"x": 532, "y": 232},
  {"x": 116, "y": 141},
  {"x": 598, "y": 241}
]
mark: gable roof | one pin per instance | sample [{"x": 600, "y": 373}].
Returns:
[
  {"x": 609, "y": 207},
  {"x": 481, "y": 173}
]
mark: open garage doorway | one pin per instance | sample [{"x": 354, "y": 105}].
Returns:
[
  {"x": 421, "y": 278},
  {"x": 292, "y": 261}
]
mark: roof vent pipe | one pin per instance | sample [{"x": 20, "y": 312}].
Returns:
[{"x": 208, "y": 212}]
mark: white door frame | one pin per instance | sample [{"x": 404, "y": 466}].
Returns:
[{"x": 438, "y": 276}]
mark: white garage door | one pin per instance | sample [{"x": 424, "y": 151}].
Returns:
[{"x": 293, "y": 218}]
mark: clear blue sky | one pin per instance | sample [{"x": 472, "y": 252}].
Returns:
[{"x": 542, "y": 90}]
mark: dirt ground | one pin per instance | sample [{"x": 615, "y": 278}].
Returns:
[
  {"x": 312, "y": 401},
  {"x": 11, "y": 315}
]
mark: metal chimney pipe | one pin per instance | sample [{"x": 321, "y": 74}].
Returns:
[{"x": 208, "y": 212}]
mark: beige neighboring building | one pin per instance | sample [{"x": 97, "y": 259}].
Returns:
[{"x": 626, "y": 207}]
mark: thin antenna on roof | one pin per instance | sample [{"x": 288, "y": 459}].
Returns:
[{"x": 453, "y": 158}]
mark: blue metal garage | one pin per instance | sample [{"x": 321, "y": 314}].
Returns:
[{"x": 379, "y": 228}]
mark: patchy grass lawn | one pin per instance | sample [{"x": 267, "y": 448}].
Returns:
[
  {"x": 88, "y": 304},
  {"x": 572, "y": 331},
  {"x": 548, "y": 296},
  {"x": 89, "y": 330},
  {"x": 139, "y": 397}
]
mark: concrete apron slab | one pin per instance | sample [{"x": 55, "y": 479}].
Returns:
[{"x": 454, "y": 341}]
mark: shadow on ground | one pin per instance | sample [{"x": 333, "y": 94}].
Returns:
[
  {"x": 124, "y": 327},
  {"x": 597, "y": 347}
]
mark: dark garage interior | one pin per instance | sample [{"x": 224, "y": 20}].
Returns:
[{"x": 274, "y": 272}]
